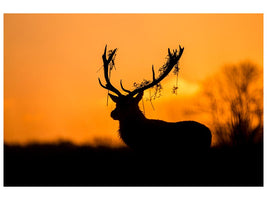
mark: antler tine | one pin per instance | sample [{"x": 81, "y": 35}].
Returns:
[
  {"x": 128, "y": 91},
  {"x": 106, "y": 62},
  {"x": 125, "y": 90},
  {"x": 173, "y": 57},
  {"x": 153, "y": 73},
  {"x": 172, "y": 61}
]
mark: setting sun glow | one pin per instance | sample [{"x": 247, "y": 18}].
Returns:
[{"x": 52, "y": 63}]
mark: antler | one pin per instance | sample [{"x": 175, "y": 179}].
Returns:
[
  {"x": 172, "y": 61},
  {"x": 106, "y": 62}
]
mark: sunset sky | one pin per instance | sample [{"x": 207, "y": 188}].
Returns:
[{"x": 52, "y": 63}]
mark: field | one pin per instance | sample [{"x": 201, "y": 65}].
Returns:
[{"x": 65, "y": 164}]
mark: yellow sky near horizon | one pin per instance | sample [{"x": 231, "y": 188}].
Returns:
[{"x": 52, "y": 62}]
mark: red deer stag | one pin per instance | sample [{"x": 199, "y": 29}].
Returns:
[{"x": 140, "y": 133}]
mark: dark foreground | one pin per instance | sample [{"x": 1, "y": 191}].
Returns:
[{"x": 69, "y": 165}]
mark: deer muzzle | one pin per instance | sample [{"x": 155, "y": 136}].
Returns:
[{"x": 114, "y": 115}]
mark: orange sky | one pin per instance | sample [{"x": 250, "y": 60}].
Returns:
[{"x": 51, "y": 65}]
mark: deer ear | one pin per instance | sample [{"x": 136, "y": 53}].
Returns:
[
  {"x": 139, "y": 96},
  {"x": 114, "y": 98}
]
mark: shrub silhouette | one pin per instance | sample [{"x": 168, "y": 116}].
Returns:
[{"x": 235, "y": 101}]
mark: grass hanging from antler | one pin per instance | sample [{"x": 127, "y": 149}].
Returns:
[
  {"x": 175, "y": 72},
  {"x": 158, "y": 87}
]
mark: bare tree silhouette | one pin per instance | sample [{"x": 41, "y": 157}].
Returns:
[
  {"x": 235, "y": 99},
  {"x": 144, "y": 134}
]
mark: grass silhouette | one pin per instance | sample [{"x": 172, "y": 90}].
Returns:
[{"x": 65, "y": 164}]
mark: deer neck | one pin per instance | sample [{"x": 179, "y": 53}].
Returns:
[{"x": 130, "y": 127}]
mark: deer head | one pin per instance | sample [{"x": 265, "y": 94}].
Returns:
[{"x": 127, "y": 105}]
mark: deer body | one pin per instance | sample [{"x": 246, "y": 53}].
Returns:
[
  {"x": 160, "y": 135},
  {"x": 144, "y": 134}
]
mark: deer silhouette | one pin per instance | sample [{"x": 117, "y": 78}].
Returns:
[{"x": 143, "y": 134}]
